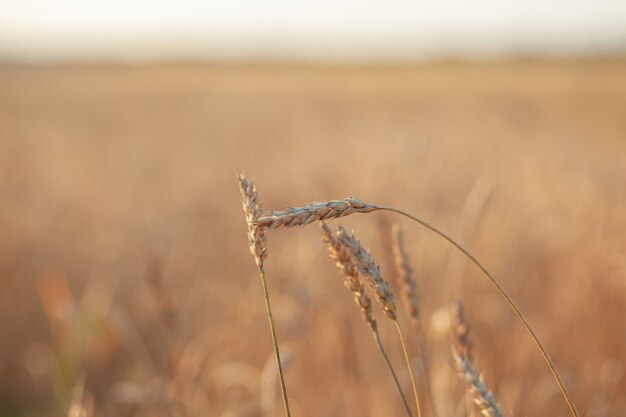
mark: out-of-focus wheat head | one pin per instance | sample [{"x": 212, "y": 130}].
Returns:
[
  {"x": 404, "y": 272},
  {"x": 462, "y": 353}
]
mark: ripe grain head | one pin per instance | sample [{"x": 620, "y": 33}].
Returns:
[
  {"x": 462, "y": 353},
  {"x": 257, "y": 238},
  {"x": 300, "y": 216},
  {"x": 343, "y": 260},
  {"x": 369, "y": 269}
]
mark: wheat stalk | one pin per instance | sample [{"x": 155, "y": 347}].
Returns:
[
  {"x": 369, "y": 269},
  {"x": 410, "y": 296},
  {"x": 344, "y": 262},
  {"x": 321, "y": 211},
  {"x": 268, "y": 379},
  {"x": 462, "y": 353},
  {"x": 257, "y": 240}
]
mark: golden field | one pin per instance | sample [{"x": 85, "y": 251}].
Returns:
[{"x": 124, "y": 262}]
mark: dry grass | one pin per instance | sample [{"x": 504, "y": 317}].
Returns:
[{"x": 101, "y": 168}]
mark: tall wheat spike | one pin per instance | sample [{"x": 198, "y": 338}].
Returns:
[
  {"x": 257, "y": 240},
  {"x": 369, "y": 269},
  {"x": 338, "y": 208},
  {"x": 404, "y": 276},
  {"x": 462, "y": 353},
  {"x": 344, "y": 262}
]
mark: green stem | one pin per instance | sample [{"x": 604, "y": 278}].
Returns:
[
  {"x": 283, "y": 387},
  {"x": 391, "y": 370},
  {"x": 506, "y": 296}
]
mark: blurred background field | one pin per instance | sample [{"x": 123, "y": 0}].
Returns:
[{"x": 124, "y": 263}]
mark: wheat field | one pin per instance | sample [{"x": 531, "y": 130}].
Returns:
[{"x": 127, "y": 287}]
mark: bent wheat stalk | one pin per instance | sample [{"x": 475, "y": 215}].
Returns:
[
  {"x": 462, "y": 353},
  {"x": 343, "y": 260},
  {"x": 301, "y": 216},
  {"x": 257, "y": 240},
  {"x": 338, "y": 208},
  {"x": 507, "y": 298}
]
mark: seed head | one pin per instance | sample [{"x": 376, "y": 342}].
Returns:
[{"x": 253, "y": 209}]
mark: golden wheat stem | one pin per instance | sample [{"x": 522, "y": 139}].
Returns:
[
  {"x": 392, "y": 371},
  {"x": 408, "y": 364},
  {"x": 257, "y": 242},
  {"x": 281, "y": 376},
  {"x": 421, "y": 343},
  {"x": 506, "y": 296}
]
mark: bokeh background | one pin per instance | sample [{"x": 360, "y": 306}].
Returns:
[{"x": 126, "y": 285}]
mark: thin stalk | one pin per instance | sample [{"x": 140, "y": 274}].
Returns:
[
  {"x": 421, "y": 342},
  {"x": 283, "y": 387},
  {"x": 391, "y": 370},
  {"x": 408, "y": 364},
  {"x": 506, "y": 296}
]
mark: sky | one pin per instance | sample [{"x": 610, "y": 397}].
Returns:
[{"x": 61, "y": 30}]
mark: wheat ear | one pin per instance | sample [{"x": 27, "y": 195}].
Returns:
[
  {"x": 410, "y": 296},
  {"x": 343, "y": 260},
  {"x": 462, "y": 353},
  {"x": 301, "y": 216},
  {"x": 369, "y": 269},
  {"x": 257, "y": 240},
  {"x": 320, "y": 211}
]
